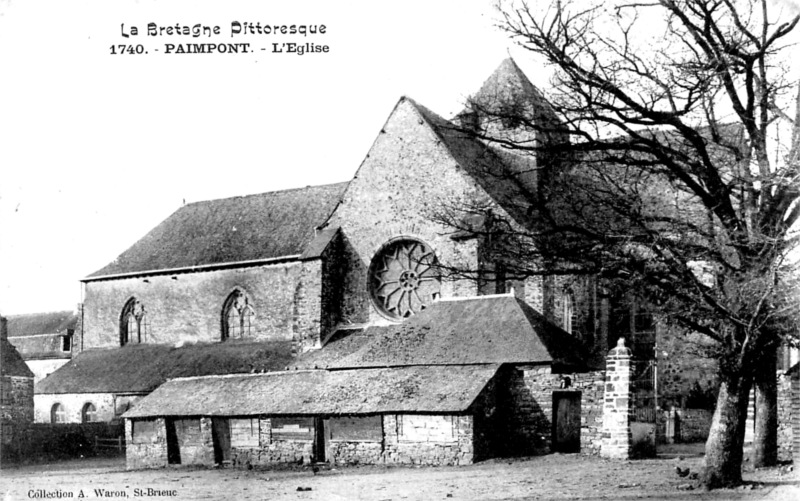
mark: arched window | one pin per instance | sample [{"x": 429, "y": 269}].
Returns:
[
  {"x": 58, "y": 414},
  {"x": 568, "y": 311},
  {"x": 237, "y": 316},
  {"x": 133, "y": 323},
  {"x": 88, "y": 413}
]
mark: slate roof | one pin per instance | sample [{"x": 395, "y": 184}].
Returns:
[
  {"x": 11, "y": 363},
  {"x": 230, "y": 230},
  {"x": 481, "y": 330},
  {"x": 366, "y": 391},
  {"x": 41, "y": 323},
  {"x": 140, "y": 368}
]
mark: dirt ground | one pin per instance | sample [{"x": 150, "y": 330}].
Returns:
[{"x": 556, "y": 476}]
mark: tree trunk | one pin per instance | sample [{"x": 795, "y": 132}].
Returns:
[
  {"x": 726, "y": 437},
  {"x": 765, "y": 440}
]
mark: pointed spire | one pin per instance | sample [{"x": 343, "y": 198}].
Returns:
[{"x": 508, "y": 84}]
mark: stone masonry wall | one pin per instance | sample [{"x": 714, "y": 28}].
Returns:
[
  {"x": 404, "y": 179},
  {"x": 307, "y": 311},
  {"x": 73, "y": 405},
  {"x": 187, "y": 307},
  {"x": 528, "y": 409},
  {"x": 617, "y": 407},
  {"x": 408, "y": 439},
  {"x": 146, "y": 454},
  {"x": 16, "y": 399},
  {"x": 785, "y": 431},
  {"x": 428, "y": 439}
]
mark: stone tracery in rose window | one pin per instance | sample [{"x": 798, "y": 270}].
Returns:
[{"x": 403, "y": 278}]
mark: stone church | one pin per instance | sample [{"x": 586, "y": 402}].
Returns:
[{"x": 321, "y": 323}]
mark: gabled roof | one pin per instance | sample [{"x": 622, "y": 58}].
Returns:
[
  {"x": 231, "y": 230},
  {"x": 54, "y": 322},
  {"x": 366, "y": 391},
  {"x": 481, "y": 330},
  {"x": 140, "y": 368},
  {"x": 11, "y": 363}
]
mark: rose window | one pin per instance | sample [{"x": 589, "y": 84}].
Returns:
[{"x": 403, "y": 279}]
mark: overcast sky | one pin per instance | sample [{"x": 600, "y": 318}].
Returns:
[{"x": 96, "y": 149}]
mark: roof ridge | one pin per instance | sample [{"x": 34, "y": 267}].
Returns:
[
  {"x": 60, "y": 312},
  {"x": 261, "y": 194}
]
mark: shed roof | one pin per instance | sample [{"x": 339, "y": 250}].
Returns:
[
  {"x": 140, "y": 368},
  {"x": 11, "y": 363},
  {"x": 53, "y": 322},
  {"x": 480, "y": 330},
  {"x": 231, "y": 230},
  {"x": 365, "y": 391}
]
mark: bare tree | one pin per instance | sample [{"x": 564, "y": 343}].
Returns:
[{"x": 659, "y": 161}]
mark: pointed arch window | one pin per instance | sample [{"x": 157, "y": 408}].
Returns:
[
  {"x": 568, "y": 311},
  {"x": 237, "y": 316},
  {"x": 133, "y": 323}
]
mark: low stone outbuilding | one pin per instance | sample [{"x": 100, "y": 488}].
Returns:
[
  {"x": 461, "y": 381},
  {"x": 423, "y": 415}
]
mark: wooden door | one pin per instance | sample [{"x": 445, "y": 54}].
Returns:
[
  {"x": 321, "y": 440},
  {"x": 221, "y": 436},
  {"x": 173, "y": 449},
  {"x": 566, "y": 421}
]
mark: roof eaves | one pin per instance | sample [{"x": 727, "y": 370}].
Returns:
[{"x": 191, "y": 269}]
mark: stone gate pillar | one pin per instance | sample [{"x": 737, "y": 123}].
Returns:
[{"x": 617, "y": 404}]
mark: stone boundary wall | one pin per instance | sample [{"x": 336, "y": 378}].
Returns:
[{"x": 694, "y": 424}]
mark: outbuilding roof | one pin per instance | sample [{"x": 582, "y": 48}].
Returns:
[
  {"x": 53, "y": 322},
  {"x": 140, "y": 368},
  {"x": 11, "y": 363},
  {"x": 365, "y": 391},
  {"x": 231, "y": 230},
  {"x": 41, "y": 346},
  {"x": 479, "y": 330}
]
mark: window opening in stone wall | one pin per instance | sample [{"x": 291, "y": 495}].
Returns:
[
  {"x": 144, "y": 431},
  {"x": 356, "y": 428},
  {"x": 58, "y": 414},
  {"x": 133, "y": 323},
  {"x": 403, "y": 278},
  {"x": 66, "y": 342},
  {"x": 89, "y": 413},
  {"x": 237, "y": 316},
  {"x": 244, "y": 432},
  {"x": 568, "y": 311},
  {"x": 292, "y": 428}
]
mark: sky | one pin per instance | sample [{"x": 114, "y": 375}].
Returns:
[{"x": 96, "y": 149}]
